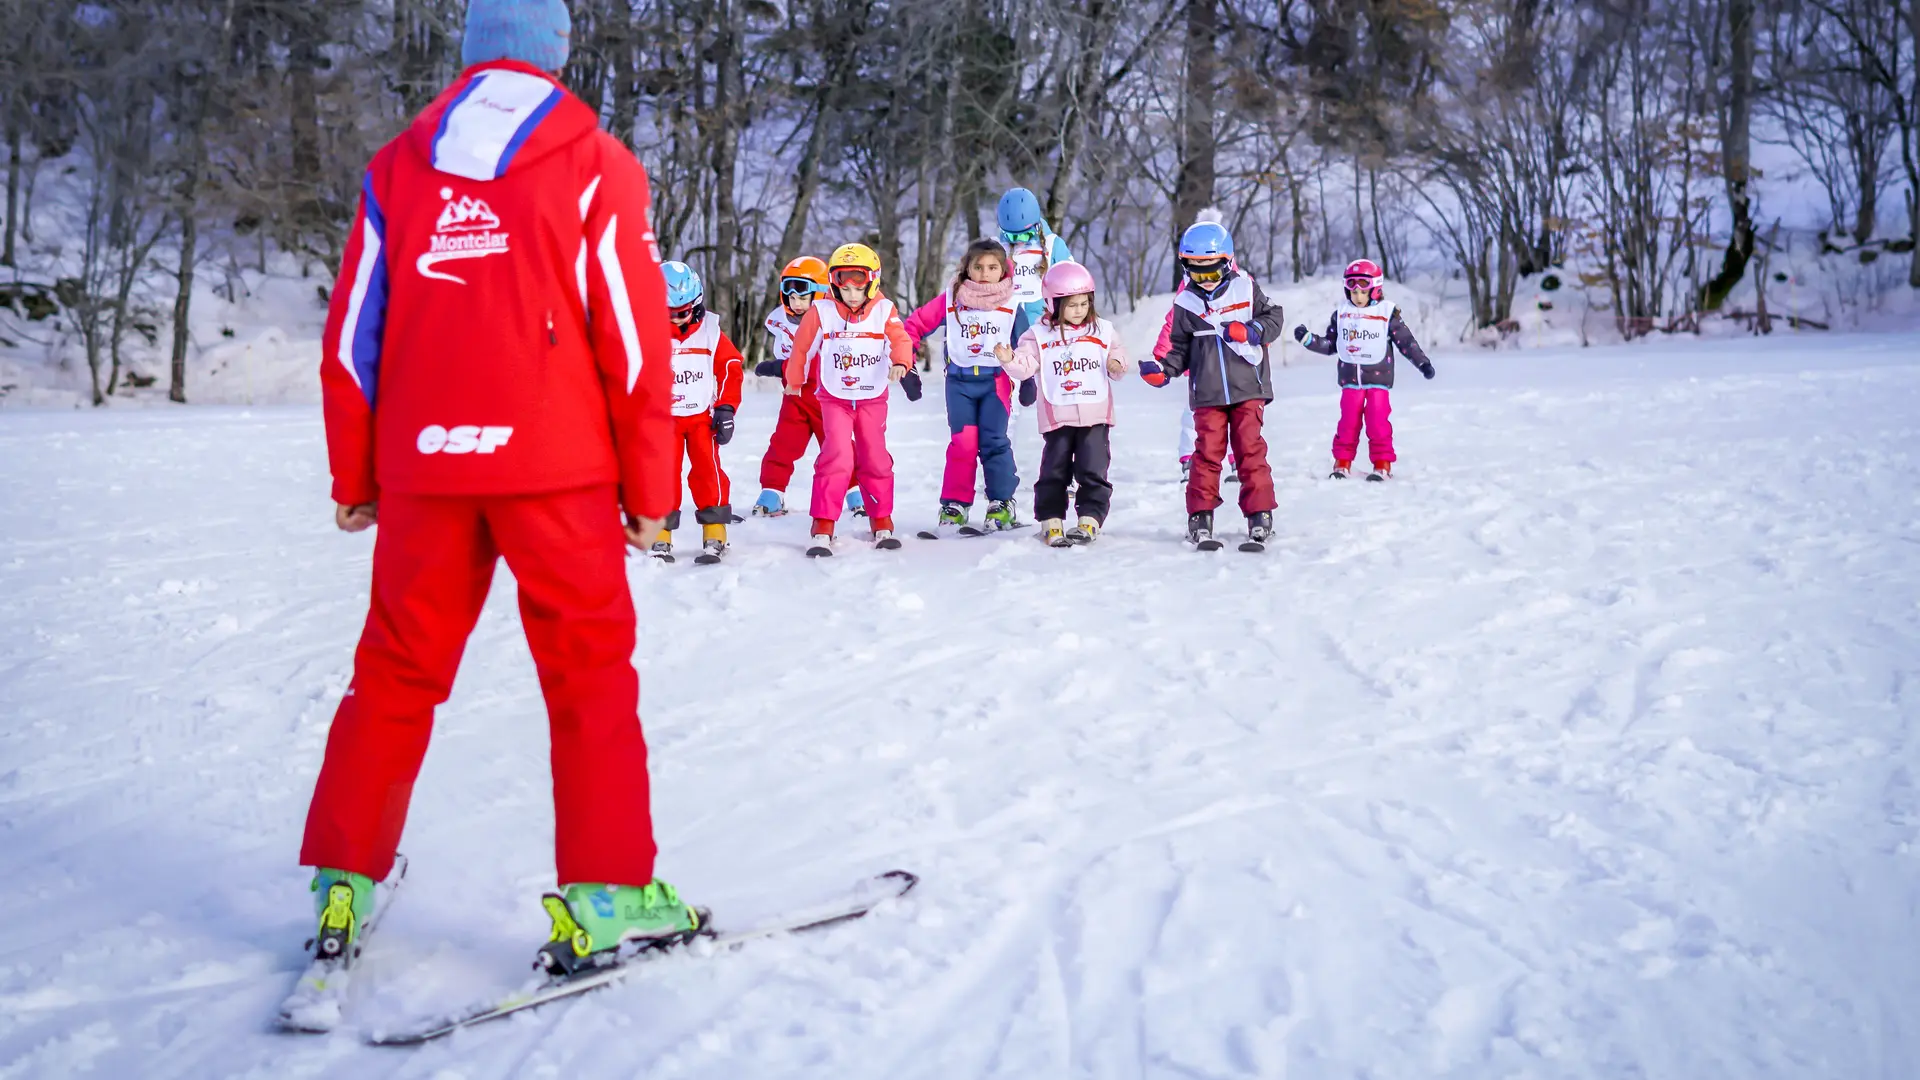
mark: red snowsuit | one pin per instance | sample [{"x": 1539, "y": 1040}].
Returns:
[
  {"x": 496, "y": 375},
  {"x": 707, "y": 375}
]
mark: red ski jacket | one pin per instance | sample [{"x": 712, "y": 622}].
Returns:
[{"x": 499, "y": 325}]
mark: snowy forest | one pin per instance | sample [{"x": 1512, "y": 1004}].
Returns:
[{"x": 1613, "y": 142}]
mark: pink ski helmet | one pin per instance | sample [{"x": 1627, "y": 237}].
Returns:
[
  {"x": 1066, "y": 279},
  {"x": 1365, "y": 273}
]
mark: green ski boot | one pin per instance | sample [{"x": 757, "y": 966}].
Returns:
[
  {"x": 1000, "y": 516},
  {"x": 593, "y": 924},
  {"x": 343, "y": 902}
]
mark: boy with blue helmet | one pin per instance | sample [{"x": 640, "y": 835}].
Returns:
[
  {"x": 706, "y": 391},
  {"x": 1032, "y": 247},
  {"x": 1222, "y": 323}
]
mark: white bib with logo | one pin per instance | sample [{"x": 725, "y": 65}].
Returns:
[
  {"x": 694, "y": 386},
  {"x": 973, "y": 332},
  {"x": 1073, "y": 363},
  {"x": 1029, "y": 265},
  {"x": 1231, "y": 303},
  {"x": 781, "y": 329},
  {"x": 1361, "y": 332},
  {"x": 854, "y": 356}
]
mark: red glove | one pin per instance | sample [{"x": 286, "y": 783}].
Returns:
[
  {"x": 1153, "y": 373},
  {"x": 1245, "y": 333}
]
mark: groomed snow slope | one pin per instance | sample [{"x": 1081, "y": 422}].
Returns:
[{"x": 1582, "y": 749}]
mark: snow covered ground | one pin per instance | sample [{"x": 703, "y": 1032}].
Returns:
[{"x": 1582, "y": 749}]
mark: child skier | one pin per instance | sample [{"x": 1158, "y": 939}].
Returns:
[
  {"x": 1034, "y": 247},
  {"x": 802, "y": 282},
  {"x": 1075, "y": 353},
  {"x": 706, "y": 391},
  {"x": 1364, "y": 331},
  {"x": 978, "y": 313},
  {"x": 1160, "y": 348},
  {"x": 1221, "y": 323},
  {"x": 856, "y": 335}
]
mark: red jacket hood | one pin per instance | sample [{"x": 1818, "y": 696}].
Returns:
[{"x": 496, "y": 116}]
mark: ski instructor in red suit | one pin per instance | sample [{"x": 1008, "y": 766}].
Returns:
[{"x": 497, "y": 377}]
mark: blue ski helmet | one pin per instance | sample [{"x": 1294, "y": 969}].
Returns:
[
  {"x": 1019, "y": 211},
  {"x": 683, "y": 285},
  {"x": 1207, "y": 239}
]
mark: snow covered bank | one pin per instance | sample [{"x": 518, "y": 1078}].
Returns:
[{"x": 1583, "y": 749}]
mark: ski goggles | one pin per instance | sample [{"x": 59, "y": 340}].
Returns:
[
  {"x": 685, "y": 312},
  {"x": 1359, "y": 283},
  {"x": 1207, "y": 272},
  {"x": 852, "y": 277},
  {"x": 798, "y": 286},
  {"x": 1024, "y": 236}
]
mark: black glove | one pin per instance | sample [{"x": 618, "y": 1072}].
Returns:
[
  {"x": 1427, "y": 371},
  {"x": 1299, "y": 333},
  {"x": 769, "y": 369},
  {"x": 1029, "y": 391},
  {"x": 910, "y": 383},
  {"x": 723, "y": 424}
]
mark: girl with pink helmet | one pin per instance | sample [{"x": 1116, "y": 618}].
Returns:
[
  {"x": 1076, "y": 355},
  {"x": 1363, "y": 333}
]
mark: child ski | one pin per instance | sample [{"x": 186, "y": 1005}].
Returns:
[
  {"x": 1371, "y": 329},
  {"x": 706, "y": 391}
]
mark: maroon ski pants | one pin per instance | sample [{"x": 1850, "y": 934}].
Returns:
[{"x": 1213, "y": 428}]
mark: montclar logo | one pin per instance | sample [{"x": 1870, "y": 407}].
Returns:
[{"x": 467, "y": 229}]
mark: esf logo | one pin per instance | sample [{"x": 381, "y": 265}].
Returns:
[{"x": 465, "y": 439}]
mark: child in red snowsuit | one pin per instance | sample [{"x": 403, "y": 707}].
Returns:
[
  {"x": 706, "y": 392},
  {"x": 1363, "y": 332}
]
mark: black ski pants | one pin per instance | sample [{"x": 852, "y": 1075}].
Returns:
[{"x": 1077, "y": 455}]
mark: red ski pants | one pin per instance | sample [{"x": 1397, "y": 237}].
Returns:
[
  {"x": 700, "y": 457},
  {"x": 798, "y": 425},
  {"x": 433, "y": 562},
  {"x": 1213, "y": 429}
]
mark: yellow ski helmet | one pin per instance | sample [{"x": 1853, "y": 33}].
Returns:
[{"x": 855, "y": 257}]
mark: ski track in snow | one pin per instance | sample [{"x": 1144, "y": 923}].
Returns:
[{"x": 1581, "y": 749}]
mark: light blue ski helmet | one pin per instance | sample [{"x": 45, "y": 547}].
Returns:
[
  {"x": 683, "y": 285},
  {"x": 1207, "y": 239},
  {"x": 1019, "y": 211}
]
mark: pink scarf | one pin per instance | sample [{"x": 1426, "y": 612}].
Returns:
[{"x": 972, "y": 294}]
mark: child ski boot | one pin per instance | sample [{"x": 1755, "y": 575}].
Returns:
[
  {"x": 883, "y": 537},
  {"x": 597, "y": 926},
  {"x": 770, "y": 504},
  {"x": 1186, "y": 467},
  {"x": 856, "y": 505},
  {"x": 1053, "y": 531},
  {"x": 821, "y": 546},
  {"x": 662, "y": 548},
  {"x": 1341, "y": 470},
  {"x": 342, "y": 902},
  {"x": 1259, "y": 531},
  {"x": 1084, "y": 533},
  {"x": 713, "y": 544},
  {"x": 1200, "y": 531},
  {"x": 953, "y": 518},
  {"x": 1000, "y": 516},
  {"x": 1381, "y": 471}
]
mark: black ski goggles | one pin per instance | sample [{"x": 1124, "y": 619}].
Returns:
[
  {"x": 1209, "y": 272},
  {"x": 798, "y": 286},
  {"x": 685, "y": 312}
]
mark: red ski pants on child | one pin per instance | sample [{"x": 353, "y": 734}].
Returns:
[
  {"x": 433, "y": 561},
  {"x": 1213, "y": 428},
  {"x": 853, "y": 441},
  {"x": 1375, "y": 405},
  {"x": 712, "y": 491},
  {"x": 798, "y": 425}
]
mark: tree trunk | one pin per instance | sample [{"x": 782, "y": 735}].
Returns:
[
  {"x": 303, "y": 110},
  {"x": 1912, "y": 152},
  {"x": 183, "y": 296},
  {"x": 728, "y": 95},
  {"x": 1735, "y": 156},
  {"x": 1079, "y": 101},
  {"x": 14, "y": 123},
  {"x": 1193, "y": 187},
  {"x": 422, "y": 36}
]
